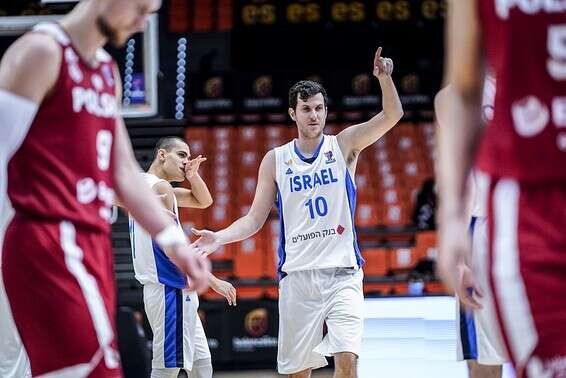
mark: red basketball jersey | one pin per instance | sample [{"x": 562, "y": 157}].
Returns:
[
  {"x": 63, "y": 169},
  {"x": 525, "y": 44}
]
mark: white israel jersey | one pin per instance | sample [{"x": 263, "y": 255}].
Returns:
[
  {"x": 151, "y": 264},
  {"x": 316, "y": 199}
]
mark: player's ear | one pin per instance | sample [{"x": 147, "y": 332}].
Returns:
[
  {"x": 292, "y": 114},
  {"x": 161, "y": 154}
]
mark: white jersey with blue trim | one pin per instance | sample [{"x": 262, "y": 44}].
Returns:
[
  {"x": 316, "y": 199},
  {"x": 151, "y": 264}
]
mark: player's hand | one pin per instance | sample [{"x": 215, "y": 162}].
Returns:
[
  {"x": 191, "y": 168},
  {"x": 382, "y": 67},
  {"x": 207, "y": 242},
  {"x": 225, "y": 289},
  {"x": 192, "y": 264},
  {"x": 467, "y": 289},
  {"x": 454, "y": 248}
]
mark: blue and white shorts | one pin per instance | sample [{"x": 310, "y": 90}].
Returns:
[{"x": 178, "y": 335}]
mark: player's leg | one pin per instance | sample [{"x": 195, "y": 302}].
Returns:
[
  {"x": 202, "y": 362},
  {"x": 164, "y": 310},
  {"x": 478, "y": 370},
  {"x": 61, "y": 290},
  {"x": 345, "y": 365},
  {"x": 301, "y": 324},
  {"x": 14, "y": 362},
  {"x": 343, "y": 300},
  {"x": 527, "y": 244}
]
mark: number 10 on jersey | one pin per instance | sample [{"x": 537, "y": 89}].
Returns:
[{"x": 320, "y": 207}]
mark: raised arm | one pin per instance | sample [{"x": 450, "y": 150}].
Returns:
[
  {"x": 250, "y": 223},
  {"x": 357, "y": 137},
  {"x": 198, "y": 196}
]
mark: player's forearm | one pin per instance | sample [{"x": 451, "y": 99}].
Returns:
[
  {"x": 200, "y": 191},
  {"x": 392, "y": 108},
  {"x": 241, "y": 229},
  {"x": 212, "y": 281},
  {"x": 457, "y": 144}
]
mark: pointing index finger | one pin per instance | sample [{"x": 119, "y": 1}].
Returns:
[{"x": 378, "y": 53}]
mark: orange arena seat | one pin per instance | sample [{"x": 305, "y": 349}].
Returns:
[
  {"x": 426, "y": 245},
  {"x": 249, "y": 258},
  {"x": 403, "y": 258},
  {"x": 377, "y": 261}
]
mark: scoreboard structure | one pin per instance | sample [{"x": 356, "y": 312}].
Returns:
[{"x": 138, "y": 60}]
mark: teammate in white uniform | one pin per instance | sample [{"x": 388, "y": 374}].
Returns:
[
  {"x": 179, "y": 341},
  {"x": 14, "y": 362},
  {"x": 481, "y": 342},
  {"x": 312, "y": 180}
]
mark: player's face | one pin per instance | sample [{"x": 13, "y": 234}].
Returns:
[
  {"x": 175, "y": 161},
  {"x": 122, "y": 18},
  {"x": 310, "y": 116}
]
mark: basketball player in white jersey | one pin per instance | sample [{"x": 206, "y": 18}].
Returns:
[
  {"x": 179, "y": 341},
  {"x": 14, "y": 362},
  {"x": 312, "y": 181},
  {"x": 481, "y": 341}
]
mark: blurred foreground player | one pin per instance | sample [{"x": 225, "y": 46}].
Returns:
[
  {"x": 522, "y": 152},
  {"x": 480, "y": 340},
  {"x": 59, "y": 96}
]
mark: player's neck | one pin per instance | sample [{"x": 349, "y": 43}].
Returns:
[
  {"x": 81, "y": 27},
  {"x": 307, "y": 146},
  {"x": 158, "y": 172}
]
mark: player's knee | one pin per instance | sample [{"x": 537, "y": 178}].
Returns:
[
  {"x": 345, "y": 365},
  {"x": 486, "y": 371}
]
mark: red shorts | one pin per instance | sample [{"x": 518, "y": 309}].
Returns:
[
  {"x": 527, "y": 237},
  {"x": 60, "y": 284}
]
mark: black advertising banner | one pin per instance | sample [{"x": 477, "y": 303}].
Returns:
[
  {"x": 246, "y": 333},
  {"x": 211, "y": 94},
  {"x": 262, "y": 92},
  {"x": 254, "y": 331}
]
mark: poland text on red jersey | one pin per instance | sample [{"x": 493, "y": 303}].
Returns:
[{"x": 63, "y": 169}]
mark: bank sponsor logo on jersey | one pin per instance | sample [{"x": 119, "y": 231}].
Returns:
[
  {"x": 329, "y": 232},
  {"x": 329, "y": 157},
  {"x": 87, "y": 191},
  {"x": 530, "y": 116}
]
